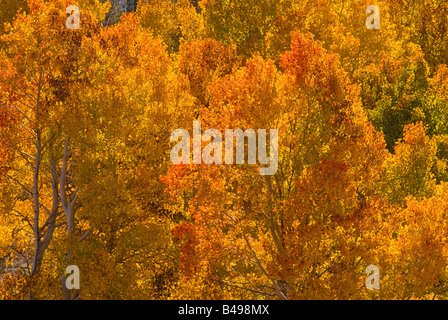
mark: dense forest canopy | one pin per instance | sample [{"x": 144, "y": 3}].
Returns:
[{"x": 86, "y": 120}]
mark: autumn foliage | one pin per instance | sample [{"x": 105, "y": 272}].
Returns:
[{"x": 86, "y": 177}]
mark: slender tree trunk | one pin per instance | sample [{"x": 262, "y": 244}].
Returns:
[
  {"x": 36, "y": 261},
  {"x": 68, "y": 206}
]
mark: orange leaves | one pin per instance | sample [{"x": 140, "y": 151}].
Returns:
[
  {"x": 415, "y": 248},
  {"x": 335, "y": 90},
  {"x": 303, "y": 225},
  {"x": 186, "y": 234},
  {"x": 327, "y": 190},
  {"x": 440, "y": 80},
  {"x": 413, "y": 136},
  {"x": 313, "y": 68},
  {"x": 171, "y": 21},
  {"x": 302, "y": 57}
]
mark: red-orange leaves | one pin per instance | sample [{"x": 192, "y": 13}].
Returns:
[
  {"x": 312, "y": 67},
  {"x": 295, "y": 234}
]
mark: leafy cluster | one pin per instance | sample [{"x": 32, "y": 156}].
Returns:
[{"x": 85, "y": 172}]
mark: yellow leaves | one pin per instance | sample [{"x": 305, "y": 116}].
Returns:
[
  {"x": 338, "y": 203},
  {"x": 8, "y": 11},
  {"x": 203, "y": 61}
]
